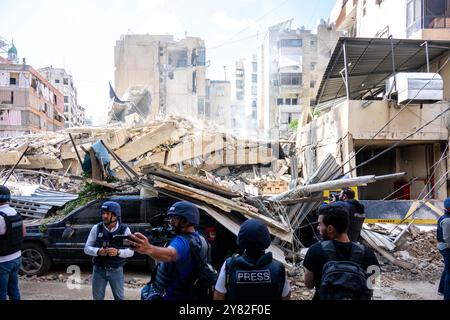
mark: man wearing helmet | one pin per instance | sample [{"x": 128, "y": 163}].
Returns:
[
  {"x": 108, "y": 261},
  {"x": 176, "y": 261},
  {"x": 253, "y": 275},
  {"x": 12, "y": 231}
]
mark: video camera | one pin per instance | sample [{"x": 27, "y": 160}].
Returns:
[{"x": 162, "y": 232}]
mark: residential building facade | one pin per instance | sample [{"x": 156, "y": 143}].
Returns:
[
  {"x": 172, "y": 71},
  {"x": 400, "y": 19},
  {"x": 28, "y": 102},
  {"x": 290, "y": 62},
  {"x": 218, "y": 103},
  {"x": 63, "y": 81}
]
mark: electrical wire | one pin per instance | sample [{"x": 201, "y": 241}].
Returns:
[{"x": 402, "y": 109}]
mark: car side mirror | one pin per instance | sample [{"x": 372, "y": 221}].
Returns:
[{"x": 68, "y": 232}]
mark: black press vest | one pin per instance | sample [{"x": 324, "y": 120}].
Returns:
[
  {"x": 103, "y": 239},
  {"x": 262, "y": 279},
  {"x": 440, "y": 234},
  {"x": 12, "y": 240}
]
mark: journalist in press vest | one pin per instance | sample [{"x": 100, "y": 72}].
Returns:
[
  {"x": 108, "y": 259},
  {"x": 254, "y": 275},
  {"x": 443, "y": 238},
  {"x": 177, "y": 273},
  {"x": 336, "y": 267},
  {"x": 12, "y": 232}
]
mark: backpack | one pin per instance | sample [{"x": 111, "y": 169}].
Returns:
[
  {"x": 204, "y": 276},
  {"x": 344, "y": 280}
]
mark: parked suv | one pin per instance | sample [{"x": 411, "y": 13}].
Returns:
[{"x": 63, "y": 241}]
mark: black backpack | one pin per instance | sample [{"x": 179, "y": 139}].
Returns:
[
  {"x": 344, "y": 280},
  {"x": 204, "y": 276}
]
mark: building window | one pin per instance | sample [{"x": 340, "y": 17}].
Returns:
[
  {"x": 57, "y": 81},
  {"x": 66, "y": 109},
  {"x": 253, "y": 104},
  {"x": 312, "y": 84},
  {"x": 312, "y": 102},
  {"x": 254, "y": 67},
  {"x": 254, "y": 90},
  {"x": 312, "y": 42},
  {"x": 65, "y": 81},
  {"x": 285, "y": 43},
  {"x": 66, "y": 99},
  {"x": 239, "y": 84},
  {"x": 436, "y": 14},
  {"x": 12, "y": 81},
  {"x": 294, "y": 102},
  {"x": 201, "y": 57},
  {"x": 254, "y": 114},
  {"x": 413, "y": 16},
  {"x": 279, "y": 101},
  {"x": 291, "y": 79},
  {"x": 239, "y": 96},
  {"x": 201, "y": 106},
  {"x": 287, "y": 101},
  {"x": 313, "y": 66},
  {"x": 254, "y": 78}
]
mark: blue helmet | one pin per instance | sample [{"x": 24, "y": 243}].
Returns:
[
  {"x": 447, "y": 204},
  {"x": 113, "y": 207},
  {"x": 187, "y": 210},
  {"x": 253, "y": 235},
  {"x": 5, "y": 194}
]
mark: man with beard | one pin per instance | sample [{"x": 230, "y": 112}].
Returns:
[
  {"x": 176, "y": 263},
  {"x": 333, "y": 224},
  {"x": 355, "y": 210},
  {"x": 108, "y": 261}
]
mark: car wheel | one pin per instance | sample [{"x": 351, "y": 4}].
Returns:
[{"x": 35, "y": 260}]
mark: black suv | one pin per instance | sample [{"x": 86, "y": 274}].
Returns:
[{"x": 63, "y": 241}]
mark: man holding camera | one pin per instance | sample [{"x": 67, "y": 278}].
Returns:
[
  {"x": 108, "y": 261},
  {"x": 171, "y": 281}
]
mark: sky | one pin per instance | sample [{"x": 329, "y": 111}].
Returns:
[{"x": 80, "y": 35}]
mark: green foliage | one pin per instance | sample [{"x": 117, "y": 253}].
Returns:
[
  {"x": 88, "y": 193},
  {"x": 293, "y": 125}
]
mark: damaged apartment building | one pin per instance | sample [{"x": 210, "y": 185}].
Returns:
[
  {"x": 74, "y": 114},
  {"x": 290, "y": 65},
  {"x": 171, "y": 71},
  {"x": 28, "y": 102},
  {"x": 383, "y": 106}
]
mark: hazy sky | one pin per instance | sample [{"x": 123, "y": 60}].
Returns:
[{"x": 80, "y": 35}]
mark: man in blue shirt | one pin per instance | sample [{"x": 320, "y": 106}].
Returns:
[{"x": 171, "y": 281}]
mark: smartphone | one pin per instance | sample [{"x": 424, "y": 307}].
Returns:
[{"x": 121, "y": 241}]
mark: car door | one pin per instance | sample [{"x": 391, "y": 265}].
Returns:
[{"x": 77, "y": 228}]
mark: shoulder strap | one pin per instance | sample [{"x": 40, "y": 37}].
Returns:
[
  {"x": 122, "y": 228},
  {"x": 2, "y": 214},
  {"x": 357, "y": 252},
  {"x": 99, "y": 228},
  {"x": 229, "y": 267},
  {"x": 330, "y": 250}
]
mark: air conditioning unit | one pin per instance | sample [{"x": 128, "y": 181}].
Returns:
[{"x": 417, "y": 87}]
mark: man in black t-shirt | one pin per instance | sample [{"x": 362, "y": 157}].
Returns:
[{"x": 333, "y": 225}]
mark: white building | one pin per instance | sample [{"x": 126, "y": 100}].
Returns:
[
  {"x": 63, "y": 81},
  {"x": 401, "y": 19},
  {"x": 290, "y": 65}
]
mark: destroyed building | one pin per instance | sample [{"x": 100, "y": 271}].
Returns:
[
  {"x": 173, "y": 72},
  {"x": 394, "y": 124}
]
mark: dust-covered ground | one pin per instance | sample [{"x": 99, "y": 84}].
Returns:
[{"x": 59, "y": 285}]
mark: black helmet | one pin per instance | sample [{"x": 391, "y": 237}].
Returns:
[
  {"x": 5, "y": 194},
  {"x": 253, "y": 235},
  {"x": 187, "y": 210}
]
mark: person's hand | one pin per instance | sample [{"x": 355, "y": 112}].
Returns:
[
  {"x": 102, "y": 252},
  {"x": 112, "y": 252},
  {"x": 140, "y": 243}
]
